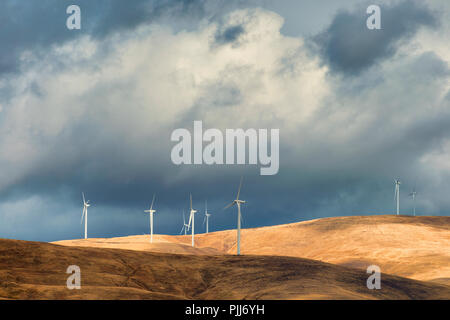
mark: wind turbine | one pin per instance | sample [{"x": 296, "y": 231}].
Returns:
[
  {"x": 185, "y": 225},
  {"x": 191, "y": 219},
  {"x": 151, "y": 211},
  {"x": 397, "y": 194},
  {"x": 413, "y": 195},
  {"x": 238, "y": 203},
  {"x": 85, "y": 215},
  {"x": 207, "y": 215}
]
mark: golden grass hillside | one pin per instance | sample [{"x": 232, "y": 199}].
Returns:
[
  {"x": 412, "y": 247},
  {"x": 33, "y": 270}
]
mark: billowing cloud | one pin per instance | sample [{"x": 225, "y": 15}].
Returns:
[
  {"x": 348, "y": 46},
  {"x": 95, "y": 114},
  {"x": 36, "y": 26}
]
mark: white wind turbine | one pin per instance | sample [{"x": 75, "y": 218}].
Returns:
[
  {"x": 238, "y": 203},
  {"x": 413, "y": 195},
  {"x": 185, "y": 227},
  {"x": 397, "y": 194},
  {"x": 207, "y": 215},
  {"x": 151, "y": 211},
  {"x": 191, "y": 219},
  {"x": 85, "y": 215}
]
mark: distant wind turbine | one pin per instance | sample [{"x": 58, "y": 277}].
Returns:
[
  {"x": 238, "y": 203},
  {"x": 151, "y": 211},
  {"x": 397, "y": 194},
  {"x": 185, "y": 225},
  {"x": 191, "y": 219},
  {"x": 85, "y": 215},
  {"x": 413, "y": 195},
  {"x": 207, "y": 215}
]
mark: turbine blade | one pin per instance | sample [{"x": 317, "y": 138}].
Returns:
[
  {"x": 231, "y": 204},
  {"x": 239, "y": 190},
  {"x": 184, "y": 218},
  {"x": 190, "y": 198},
  {"x": 151, "y": 206},
  {"x": 84, "y": 201},
  {"x": 82, "y": 215}
]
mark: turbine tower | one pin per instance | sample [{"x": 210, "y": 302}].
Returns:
[
  {"x": 238, "y": 203},
  {"x": 397, "y": 194},
  {"x": 85, "y": 215},
  {"x": 191, "y": 219},
  {"x": 185, "y": 227},
  {"x": 413, "y": 195},
  {"x": 151, "y": 211},
  {"x": 207, "y": 215}
]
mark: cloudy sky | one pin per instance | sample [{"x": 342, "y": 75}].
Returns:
[{"x": 93, "y": 109}]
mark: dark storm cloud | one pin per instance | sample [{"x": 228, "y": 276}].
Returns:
[
  {"x": 36, "y": 25},
  {"x": 119, "y": 168},
  {"x": 348, "y": 46}
]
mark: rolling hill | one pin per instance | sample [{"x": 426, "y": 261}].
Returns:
[
  {"x": 411, "y": 247},
  {"x": 33, "y": 270}
]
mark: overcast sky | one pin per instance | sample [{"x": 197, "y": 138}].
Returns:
[{"x": 93, "y": 110}]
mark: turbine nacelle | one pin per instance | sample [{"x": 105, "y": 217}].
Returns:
[
  {"x": 235, "y": 202},
  {"x": 85, "y": 203}
]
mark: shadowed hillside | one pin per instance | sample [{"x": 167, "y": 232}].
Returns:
[{"x": 32, "y": 270}]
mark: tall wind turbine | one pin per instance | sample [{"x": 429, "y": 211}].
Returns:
[
  {"x": 238, "y": 203},
  {"x": 413, "y": 195},
  {"x": 207, "y": 215},
  {"x": 397, "y": 194},
  {"x": 185, "y": 227},
  {"x": 191, "y": 219},
  {"x": 85, "y": 215},
  {"x": 151, "y": 211}
]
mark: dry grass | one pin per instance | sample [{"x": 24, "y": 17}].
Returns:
[
  {"x": 32, "y": 270},
  {"x": 412, "y": 247}
]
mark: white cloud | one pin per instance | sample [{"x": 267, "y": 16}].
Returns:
[{"x": 135, "y": 84}]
